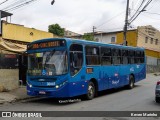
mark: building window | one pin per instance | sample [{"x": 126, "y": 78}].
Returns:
[
  {"x": 113, "y": 40},
  {"x": 156, "y": 42},
  {"x": 151, "y": 40},
  {"x": 146, "y": 40}
]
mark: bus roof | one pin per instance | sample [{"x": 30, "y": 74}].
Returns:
[{"x": 86, "y": 42}]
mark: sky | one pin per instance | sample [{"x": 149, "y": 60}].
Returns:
[{"x": 81, "y": 15}]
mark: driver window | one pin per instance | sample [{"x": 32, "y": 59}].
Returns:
[{"x": 76, "y": 58}]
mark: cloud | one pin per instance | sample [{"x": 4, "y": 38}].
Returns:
[{"x": 76, "y": 15}]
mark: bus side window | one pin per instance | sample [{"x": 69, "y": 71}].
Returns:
[
  {"x": 106, "y": 56},
  {"x": 76, "y": 58},
  {"x": 137, "y": 56},
  {"x": 142, "y": 57},
  {"x": 116, "y": 56},
  {"x": 131, "y": 55},
  {"x": 92, "y": 55},
  {"x": 125, "y": 57}
]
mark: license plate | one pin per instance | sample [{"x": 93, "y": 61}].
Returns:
[{"x": 42, "y": 92}]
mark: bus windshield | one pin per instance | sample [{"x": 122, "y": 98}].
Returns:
[{"x": 48, "y": 63}]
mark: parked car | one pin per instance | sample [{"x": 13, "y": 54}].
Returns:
[{"x": 157, "y": 92}]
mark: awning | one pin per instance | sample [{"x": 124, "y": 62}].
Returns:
[{"x": 12, "y": 46}]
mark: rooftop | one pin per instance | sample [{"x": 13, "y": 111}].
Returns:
[{"x": 5, "y": 14}]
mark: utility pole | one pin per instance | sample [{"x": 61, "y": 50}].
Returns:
[
  {"x": 126, "y": 24},
  {"x": 93, "y": 31}
]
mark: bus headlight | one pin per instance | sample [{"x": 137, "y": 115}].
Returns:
[
  {"x": 57, "y": 86},
  {"x": 60, "y": 85},
  {"x": 29, "y": 85}
]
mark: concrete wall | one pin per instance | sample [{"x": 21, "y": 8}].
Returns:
[
  {"x": 105, "y": 38},
  {"x": 153, "y": 68},
  {"x": 9, "y": 79},
  {"x": 131, "y": 38},
  {"x": 21, "y": 33},
  {"x": 149, "y": 37},
  {"x": 152, "y": 60}
]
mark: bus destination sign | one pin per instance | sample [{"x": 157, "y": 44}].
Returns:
[{"x": 46, "y": 44}]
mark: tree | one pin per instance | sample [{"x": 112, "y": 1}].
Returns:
[
  {"x": 56, "y": 29},
  {"x": 88, "y": 36}
]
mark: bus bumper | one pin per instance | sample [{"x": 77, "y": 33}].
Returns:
[
  {"x": 48, "y": 92},
  {"x": 68, "y": 90}
]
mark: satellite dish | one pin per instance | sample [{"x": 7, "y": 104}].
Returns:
[{"x": 52, "y": 2}]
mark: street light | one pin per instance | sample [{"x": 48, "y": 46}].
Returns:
[{"x": 52, "y": 2}]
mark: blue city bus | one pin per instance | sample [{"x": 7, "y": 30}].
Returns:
[{"x": 64, "y": 67}]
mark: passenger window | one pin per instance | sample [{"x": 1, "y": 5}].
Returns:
[
  {"x": 116, "y": 56},
  {"x": 76, "y": 58},
  {"x": 92, "y": 55},
  {"x": 142, "y": 57},
  {"x": 125, "y": 57},
  {"x": 106, "y": 56},
  {"x": 138, "y": 57},
  {"x": 131, "y": 55}
]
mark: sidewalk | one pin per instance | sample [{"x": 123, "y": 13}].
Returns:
[
  {"x": 21, "y": 93},
  {"x": 14, "y": 95}
]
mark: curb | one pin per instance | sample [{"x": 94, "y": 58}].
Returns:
[{"x": 3, "y": 101}]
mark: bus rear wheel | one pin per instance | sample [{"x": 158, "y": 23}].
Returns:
[
  {"x": 91, "y": 91},
  {"x": 131, "y": 82}
]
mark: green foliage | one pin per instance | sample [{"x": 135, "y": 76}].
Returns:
[
  {"x": 88, "y": 36},
  {"x": 56, "y": 29}
]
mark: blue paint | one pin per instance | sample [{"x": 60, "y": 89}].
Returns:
[{"x": 107, "y": 77}]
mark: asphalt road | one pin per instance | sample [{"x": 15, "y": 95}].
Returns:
[{"x": 140, "y": 98}]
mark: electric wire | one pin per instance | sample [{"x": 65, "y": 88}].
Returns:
[
  {"x": 111, "y": 19},
  {"x": 18, "y": 4},
  {"x": 145, "y": 6},
  {"x": 14, "y": 3},
  {"x": 3, "y": 2},
  {"x": 137, "y": 11}
]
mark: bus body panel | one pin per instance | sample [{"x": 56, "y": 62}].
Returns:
[{"x": 107, "y": 76}]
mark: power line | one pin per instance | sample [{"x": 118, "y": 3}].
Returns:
[
  {"x": 149, "y": 12},
  {"x": 19, "y": 4},
  {"x": 152, "y": 13},
  {"x": 150, "y": 17},
  {"x": 3, "y": 2},
  {"x": 110, "y": 19},
  {"x": 16, "y": 2},
  {"x": 137, "y": 11},
  {"x": 143, "y": 9},
  {"x": 153, "y": 5}
]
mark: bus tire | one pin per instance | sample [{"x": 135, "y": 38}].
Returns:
[
  {"x": 131, "y": 82},
  {"x": 90, "y": 91}
]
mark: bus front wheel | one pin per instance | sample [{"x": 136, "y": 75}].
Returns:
[
  {"x": 131, "y": 82},
  {"x": 91, "y": 91}
]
